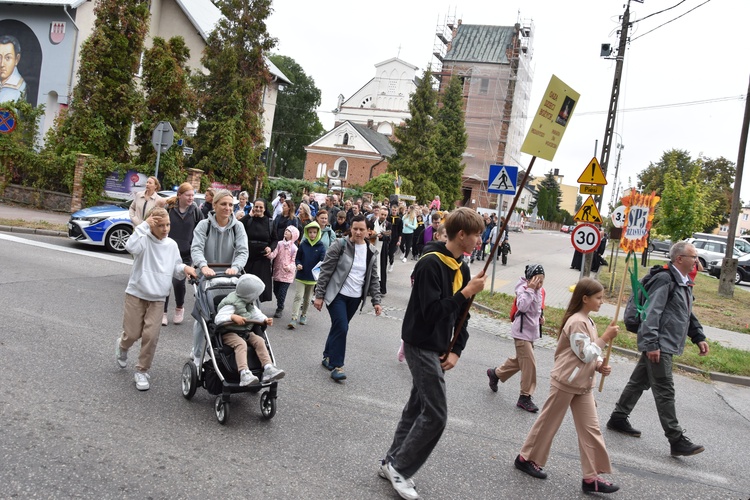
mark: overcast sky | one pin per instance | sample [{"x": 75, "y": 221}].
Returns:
[{"x": 683, "y": 85}]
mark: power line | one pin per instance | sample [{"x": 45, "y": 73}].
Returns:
[
  {"x": 672, "y": 105},
  {"x": 656, "y": 13},
  {"x": 664, "y": 24}
]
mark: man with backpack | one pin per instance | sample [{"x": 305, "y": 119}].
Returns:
[{"x": 666, "y": 323}]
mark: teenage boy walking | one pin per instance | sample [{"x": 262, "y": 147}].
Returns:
[{"x": 441, "y": 292}]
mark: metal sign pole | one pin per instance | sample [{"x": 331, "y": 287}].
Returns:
[
  {"x": 158, "y": 150},
  {"x": 494, "y": 259}
]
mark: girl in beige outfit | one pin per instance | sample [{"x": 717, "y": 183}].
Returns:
[{"x": 577, "y": 357}]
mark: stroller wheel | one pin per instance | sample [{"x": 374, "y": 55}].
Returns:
[
  {"x": 189, "y": 380},
  {"x": 221, "y": 409},
  {"x": 267, "y": 405}
]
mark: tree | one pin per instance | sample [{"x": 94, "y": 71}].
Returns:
[
  {"x": 685, "y": 205},
  {"x": 652, "y": 178},
  {"x": 547, "y": 200},
  {"x": 296, "y": 123},
  {"x": 169, "y": 97},
  {"x": 451, "y": 143},
  {"x": 416, "y": 157},
  {"x": 719, "y": 174},
  {"x": 106, "y": 98},
  {"x": 230, "y": 95},
  {"x": 382, "y": 186}
]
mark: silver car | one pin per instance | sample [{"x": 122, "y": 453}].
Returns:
[{"x": 709, "y": 250}]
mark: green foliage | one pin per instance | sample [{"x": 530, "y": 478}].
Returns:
[
  {"x": 685, "y": 206},
  {"x": 297, "y": 187},
  {"x": 451, "y": 143},
  {"x": 169, "y": 97},
  {"x": 382, "y": 186},
  {"x": 416, "y": 146},
  {"x": 230, "y": 94},
  {"x": 295, "y": 123},
  {"x": 719, "y": 174},
  {"x": 547, "y": 200},
  {"x": 106, "y": 99},
  {"x": 652, "y": 178}
]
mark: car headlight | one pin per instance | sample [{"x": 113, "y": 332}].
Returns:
[
  {"x": 95, "y": 219},
  {"x": 713, "y": 263}
]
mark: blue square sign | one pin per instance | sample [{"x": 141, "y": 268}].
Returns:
[{"x": 503, "y": 179}]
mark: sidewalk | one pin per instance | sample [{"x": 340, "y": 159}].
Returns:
[{"x": 557, "y": 284}]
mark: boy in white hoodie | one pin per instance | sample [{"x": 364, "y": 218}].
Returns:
[{"x": 156, "y": 261}]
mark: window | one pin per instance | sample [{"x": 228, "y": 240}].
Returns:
[
  {"x": 745, "y": 216},
  {"x": 484, "y": 86},
  {"x": 392, "y": 86},
  {"x": 342, "y": 167},
  {"x": 321, "y": 170},
  {"x": 346, "y": 139}
]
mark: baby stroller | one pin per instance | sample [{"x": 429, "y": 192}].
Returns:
[{"x": 218, "y": 372}]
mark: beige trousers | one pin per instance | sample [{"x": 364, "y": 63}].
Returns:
[
  {"x": 525, "y": 362},
  {"x": 141, "y": 320},
  {"x": 240, "y": 349},
  {"x": 594, "y": 457}
]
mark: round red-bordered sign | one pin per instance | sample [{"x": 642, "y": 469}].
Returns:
[
  {"x": 7, "y": 121},
  {"x": 585, "y": 238}
]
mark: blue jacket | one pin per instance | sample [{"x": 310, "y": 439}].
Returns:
[{"x": 309, "y": 254}]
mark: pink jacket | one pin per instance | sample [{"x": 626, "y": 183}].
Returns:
[{"x": 284, "y": 267}]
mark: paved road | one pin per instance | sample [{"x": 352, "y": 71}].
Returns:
[{"x": 74, "y": 425}]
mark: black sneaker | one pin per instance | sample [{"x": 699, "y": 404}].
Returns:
[
  {"x": 527, "y": 404},
  {"x": 530, "y": 468},
  {"x": 278, "y": 312},
  {"x": 599, "y": 485},
  {"x": 683, "y": 447},
  {"x": 493, "y": 379},
  {"x": 622, "y": 425}
]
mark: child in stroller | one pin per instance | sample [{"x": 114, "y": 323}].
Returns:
[{"x": 238, "y": 308}]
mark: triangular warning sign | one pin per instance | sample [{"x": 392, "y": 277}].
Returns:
[
  {"x": 503, "y": 181},
  {"x": 588, "y": 212},
  {"x": 593, "y": 174}
]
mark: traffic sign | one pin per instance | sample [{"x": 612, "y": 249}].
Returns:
[
  {"x": 618, "y": 216},
  {"x": 588, "y": 212},
  {"x": 591, "y": 189},
  {"x": 7, "y": 121},
  {"x": 187, "y": 151},
  {"x": 586, "y": 238},
  {"x": 593, "y": 174},
  {"x": 163, "y": 137},
  {"x": 503, "y": 179}
]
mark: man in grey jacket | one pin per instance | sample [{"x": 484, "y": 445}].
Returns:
[{"x": 669, "y": 321}]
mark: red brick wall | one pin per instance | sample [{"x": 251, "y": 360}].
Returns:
[{"x": 358, "y": 172}]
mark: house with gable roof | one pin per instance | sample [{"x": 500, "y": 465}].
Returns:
[
  {"x": 351, "y": 152},
  {"x": 51, "y": 34}
]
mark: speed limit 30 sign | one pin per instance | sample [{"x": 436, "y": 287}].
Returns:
[{"x": 586, "y": 238}]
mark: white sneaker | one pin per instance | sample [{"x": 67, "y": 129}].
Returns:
[
  {"x": 164, "y": 320},
  {"x": 247, "y": 378},
  {"x": 272, "y": 374},
  {"x": 381, "y": 473},
  {"x": 179, "y": 315},
  {"x": 390, "y": 268},
  {"x": 403, "y": 259},
  {"x": 142, "y": 381},
  {"x": 120, "y": 355},
  {"x": 403, "y": 487}
]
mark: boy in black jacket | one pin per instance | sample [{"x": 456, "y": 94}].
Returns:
[{"x": 441, "y": 292}]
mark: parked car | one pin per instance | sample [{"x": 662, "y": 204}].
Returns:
[
  {"x": 108, "y": 225},
  {"x": 709, "y": 250},
  {"x": 743, "y": 269},
  {"x": 564, "y": 229},
  {"x": 740, "y": 243},
  {"x": 659, "y": 245}
]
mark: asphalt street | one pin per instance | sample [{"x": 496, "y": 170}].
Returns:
[{"x": 74, "y": 426}]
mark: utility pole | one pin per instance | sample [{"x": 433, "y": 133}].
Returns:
[{"x": 611, "y": 115}]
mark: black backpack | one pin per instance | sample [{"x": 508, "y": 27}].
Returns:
[{"x": 635, "y": 312}]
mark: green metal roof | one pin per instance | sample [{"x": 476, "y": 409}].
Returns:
[{"x": 480, "y": 43}]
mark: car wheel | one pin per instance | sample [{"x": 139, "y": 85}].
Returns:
[
  {"x": 703, "y": 262},
  {"x": 117, "y": 238},
  {"x": 738, "y": 277}
]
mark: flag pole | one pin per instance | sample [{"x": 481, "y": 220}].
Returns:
[{"x": 617, "y": 315}]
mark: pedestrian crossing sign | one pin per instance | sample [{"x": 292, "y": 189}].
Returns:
[
  {"x": 503, "y": 179},
  {"x": 588, "y": 212}
]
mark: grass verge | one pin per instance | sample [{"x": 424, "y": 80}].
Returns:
[
  {"x": 720, "y": 359},
  {"x": 39, "y": 224}
]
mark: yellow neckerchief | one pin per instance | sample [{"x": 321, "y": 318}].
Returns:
[{"x": 452, "y": 264}]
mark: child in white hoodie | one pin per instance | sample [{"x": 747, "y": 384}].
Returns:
[{"x": 156, "y": 261}]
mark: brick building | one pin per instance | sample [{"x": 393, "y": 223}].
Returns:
[{"x": 351, "y": 152}]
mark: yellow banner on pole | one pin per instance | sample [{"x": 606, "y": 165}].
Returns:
[{"x": 551, "y": 119}]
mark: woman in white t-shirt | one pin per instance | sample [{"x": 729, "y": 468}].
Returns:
[{"x": 348, "y": 274}]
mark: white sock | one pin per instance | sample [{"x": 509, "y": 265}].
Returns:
[{"x": 269, "y": 365}]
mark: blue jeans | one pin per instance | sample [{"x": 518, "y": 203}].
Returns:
[
  {"x": 425, "y": 415},
  {"x": 341, "y": 309}
]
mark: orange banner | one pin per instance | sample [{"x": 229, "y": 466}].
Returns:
[{"x": 639, "y": 215}]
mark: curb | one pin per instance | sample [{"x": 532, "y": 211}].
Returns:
[
  {"x": 715, "y": 376},
  {"x": 29, "y": 230}
]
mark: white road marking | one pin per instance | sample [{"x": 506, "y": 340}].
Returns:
[{"x": 111, "y": 258}]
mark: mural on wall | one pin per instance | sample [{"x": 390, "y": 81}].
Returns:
[{"x": 20, "y": 62}]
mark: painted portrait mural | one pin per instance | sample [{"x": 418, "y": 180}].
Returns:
[{"x": 20, "y": 62}]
